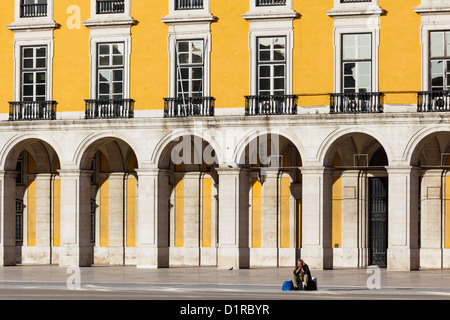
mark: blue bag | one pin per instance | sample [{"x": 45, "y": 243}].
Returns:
[{"x": 288, "y": 286}]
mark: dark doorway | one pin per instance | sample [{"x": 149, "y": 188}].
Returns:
[{"x": 378, "y": 212}]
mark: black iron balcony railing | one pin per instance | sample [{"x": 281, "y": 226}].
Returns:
[
  {"x": 363, "y": 102},
  {"x": 351, "y": 1},
  {"x": 109, "y": 109},
  {"x": 270, "y": 105},
  {"x": 263, "y": 3},
  {"x": 32, "y": 110},
  {"x": 110, "y": 6},
  {"x": 33, "y": 10},
  {"x": 188, "y": 4},
  {"x": 433, "y": 101},
  {"x": 189, "y": 107}
]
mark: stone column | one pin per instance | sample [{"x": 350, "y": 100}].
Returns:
[
  {"x": 403, "y": 252},
  {"x": 233, "y": 222},
  {"x": 116, "y": 247},
  {"x": 7, "y": 218},
  {"x": 76, "y": 249},
  {"x": 431, "y": 219},
  {"x": 316, "y": 217},
  {"x": 152, "y": 218},
  {"x": 42, "y": 252}
]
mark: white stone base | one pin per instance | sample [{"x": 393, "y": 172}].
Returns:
[
  {"x": 402, "y": 259},
  {"x": 237, "y": 258},
  {"x": 430, "y": 258},
  {"x": 345, "y": 258},
  {"x": 35, "y": 255},
  {"x": 272, "y": 257},
  {"x": 446, "y": 258}
]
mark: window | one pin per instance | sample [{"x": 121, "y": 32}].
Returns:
[
  {"x": 110, "y": 73},
  {"x": 270, "y": 2},
  {"x": 190, "y": 68},
  {"x": 19, "y": 220},
  {"x": 188, "y": 4},
  {"x": 33, "y": 8},
  {"x": 110, "y": 6},
  {"x": 271, "y": 66},
  {"x": 34, "y": 73},
  {"x": 357, "y": 63},
  {"x": 440, "y": 60}
]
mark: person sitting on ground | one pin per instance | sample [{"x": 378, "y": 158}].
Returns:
[{"x": 301, "y": 274}]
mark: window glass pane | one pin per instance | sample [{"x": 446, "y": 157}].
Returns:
[
  {"x": 104, "y": 61},
  {"x": 117, "y": 75},
  {"x": 437, "y": 44},
  {"x": 28, "y": 90},
  {"x": 103, "y": 88},
  {"x": 279, "y": 55},
  {"x": 264, "y": 71},
  {"x": 278, "y": 71},
  {"x": 197, "y": 73},
  {"x": 117, "y": 48},
  {"x": 364, "y": 68},
  {"x": 40, "y": 77},
  {"x": 28, "y": 52},
  {"x": 117, "y": 60},
  {"x": 279, "y": 43},
  {"x": 103, "y": 76},
  {"x": 183, "y": 58},
  {"x": 183, "y": 46},
  {"x": 349, "y": 45},
  {"x": 41, "y": 52},
  {"x": 40, "y": 90},
  {"x": 28, "y": 63},
  {"x": 264, "y": 84},
  {"x": 364, "y": 82},
  {"x": 264, "y": 56},
  {"x": 264, "y": 43},
  {"x": 104, "y": 49},
  {"x": 197, "y": 57},
  {"x": 117, "y": 87},
  {"x": 196, "y": 85},
  {"x": 28, "y": 77},
  {"x": 278, "y": 84},
  {"x": 40, "y": 63}
]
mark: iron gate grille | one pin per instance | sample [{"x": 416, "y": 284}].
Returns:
[{"x": 378, "y": 221}]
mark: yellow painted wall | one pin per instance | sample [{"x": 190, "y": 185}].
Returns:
[
  {"x": 285, "y": 211},
  {"x": 31, "y": 212},
  {"x": 131, "y": 212},
  {"x": 56, "y": 212},
  {"x": 256, "y": 213},
  {"x": 71, "y": 62},
  {"x": 179, "y": 212},
  {"x": 230, "y": 57},
  {"x": 299, "y": 223},
  {"x": 447, "y": 213},
  {"x": 206, "y": 211},
  {"x": 104, "y": 213},
  {"x": 336, "y": 212},
  {"x": 400, "y": 62},
  {"x": 6, "y": 56}
]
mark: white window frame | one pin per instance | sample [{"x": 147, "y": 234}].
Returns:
[
  {"x": 348, "y": 20},
  {"x": 270, "y": 29},
  {"x": 197, "y": 32},
  {"x": 34, "y": 70},
  {"x": 110, "y": 68},
  {"x": 23, "y": 40},
  {"x": 435, "y": 16},
  {"x": 100, "y": 36},
  {"x": 271, "y": 63},
  {"x": 189, "y": 66},
  {"x": 110, "y": 16}
]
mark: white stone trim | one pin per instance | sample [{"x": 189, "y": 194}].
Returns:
[
  {"x": 113, "y": 19},
  {"x": 188, "y": 16},
  {"x": 350, "y": 21},
  {"x": 434, "y": 16},
  {"x": 108, "y": 35},
  {"x": 270, "y": 28},
  {"x": 20, "y": 23},
  {"x": 354, "y": 9},
  {"x": 33, "y": 38}
]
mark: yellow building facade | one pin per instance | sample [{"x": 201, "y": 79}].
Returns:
[{"x": 225, "y": 133}]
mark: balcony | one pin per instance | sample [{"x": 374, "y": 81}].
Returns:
[
  {"x": 267, "y": 3},
  {"x": 110, "y": 7},
  {"x": 433, "y": 101},
  {"x": 270, "y": 105},
  {"x": 353, "y": 1},
  {"x": 189, "y": 107},
  {"x": 188, "y": 4},
  {"x": 363, "y": 102},
  {"x": 109, "y": 109},
  {"x": 33, "y": 10},
  {"x": 32, "y": 110}
]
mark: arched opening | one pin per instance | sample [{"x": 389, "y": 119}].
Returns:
[
  {"x": 275, "y": 199},
  {"x": 112, "y": 197},
  {"x": 359, "y": 197},
  {"x": 432, "y": 157},
  {"x": 187, "y": 193},
  {"x": 32, "y": 201}
]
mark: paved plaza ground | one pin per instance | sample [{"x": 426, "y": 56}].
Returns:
[{"x": 197, "y": 287}]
